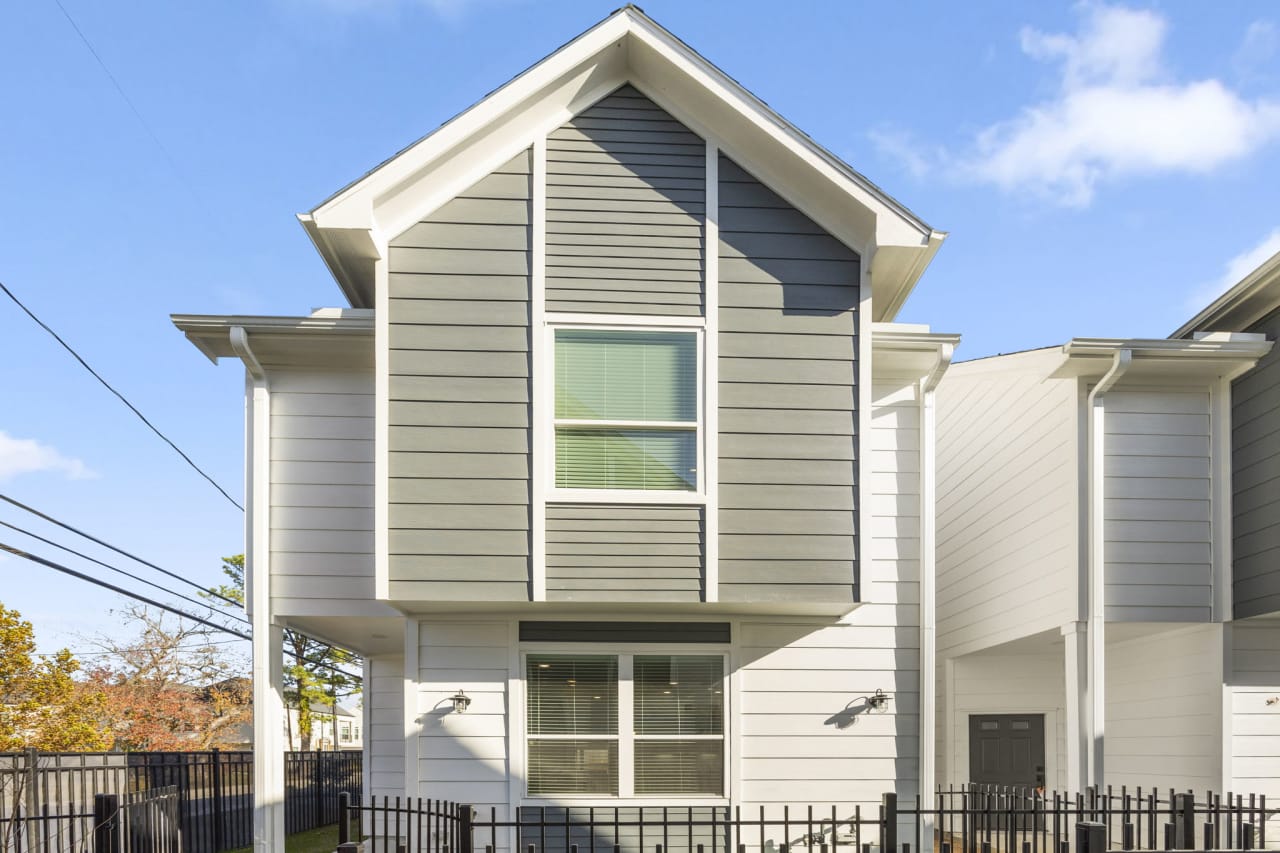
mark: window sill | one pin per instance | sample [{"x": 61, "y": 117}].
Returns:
[
  {"x": 605, "y": 801},
  {"x": 622, "y": 496}
]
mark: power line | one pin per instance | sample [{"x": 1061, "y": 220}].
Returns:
[
  {"x": 120, "y": 551},
  {"x": 123, "y": 572},
  {"x": 121, "y": 397},
  {"x": 18, "y": 552}
]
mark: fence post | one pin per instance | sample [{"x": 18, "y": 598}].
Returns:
[
  {"x": 1091, "y": 837},
  {"x": 319, "y": 792},
  {"x": 464, "y": 829},
  {"x": 106, "y": 823},
  {"x": 344, "y": 821},
  {"x": 1185, "y": 821},
  {"x": 889, "y": 831},
  {"x": 32, "y": 777},
  {"x": 216, "y": 758}
]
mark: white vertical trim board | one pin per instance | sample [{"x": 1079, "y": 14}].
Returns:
[
  {"x": 1220, "y": 471},
  {"x": 865, "y": 374},
  {"x": 626, "y": 725},
  {"x": 540, "y": 450},
  {"x": 382, "y": 427},
  {"x": 1074, "y": 656},
  {"x": 412, "y": 726},
  {"x": 711, "y": 378}
]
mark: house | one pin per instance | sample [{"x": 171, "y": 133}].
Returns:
[
  {"x": 1106, "y": 605},
  {"x": 617, "y": 438},
  {"x": 327, "y": 722}
]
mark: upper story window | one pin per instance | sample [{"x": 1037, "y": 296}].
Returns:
[{"x": 626, "y": 409}]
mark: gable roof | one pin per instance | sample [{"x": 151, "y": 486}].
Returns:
[
  {"x": 1252, "y": 298},
  {"x": 352, "y": 227}
]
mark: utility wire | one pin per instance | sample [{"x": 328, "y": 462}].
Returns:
[
  {"x": 120, "y": 551},
  {"x": 131, "y": 575},
  {"x": 18, "y": 552},
  {"x": 121, "y": 397}
]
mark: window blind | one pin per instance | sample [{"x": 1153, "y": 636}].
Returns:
[
  {"x": 679, "y": 724},
  {"x": 572, "y": 724},
  {"x": 615, "y": 375},
  {"x": 626, "y": 459}
]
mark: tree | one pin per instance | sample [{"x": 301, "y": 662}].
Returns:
[
  {"x": 171, "y": 686},
  {"x": 313, "y": 670},
  {"x": 42, "y": 705}
]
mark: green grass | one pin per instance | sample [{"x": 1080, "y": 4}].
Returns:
[{"x": 322, "y": 840}]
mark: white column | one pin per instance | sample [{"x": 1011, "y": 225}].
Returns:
[
  {"x": 412, "y": 727},
  {"x": 1075, "y": 658}
]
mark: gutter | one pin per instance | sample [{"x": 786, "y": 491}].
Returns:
[{"x": 1095, "y": 710}]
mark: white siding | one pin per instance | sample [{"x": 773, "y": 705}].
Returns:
[
  {"x": 1164, "y": 710},
  {"x": 384, "y": 735},
  {"x": 1255, "y": 733},
  {"x": 1026, "y": 678},
  {"x": 321, "y": 491},
  {"x": 800, "y": 683},
  {"x": 1007, "y": 502},
  {"x": 1157, "y": 506},
  {"x": 463, "y": 757}
]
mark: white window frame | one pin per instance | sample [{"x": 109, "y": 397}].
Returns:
[
  {"x": 626, "y": 736},
  {"x": 626, "y": 323}
]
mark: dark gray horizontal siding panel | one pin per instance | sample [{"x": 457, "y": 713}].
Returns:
[
  {"x": 788, "y": 400},
  {"x": 459, "y": 396},
  {"x": 624, "y": 632},
  {"x": 624, "y": 552},
  {"x": 626, "y": 202},
  {"x": 453, "y": 590},
  {"x": 1255, "y": 445}
]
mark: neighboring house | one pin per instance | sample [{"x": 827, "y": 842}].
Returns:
[
  {"x": 1091, "y": 620},
  {"x": 349, "y": 727},
  {"x": 617, "y": 421}
]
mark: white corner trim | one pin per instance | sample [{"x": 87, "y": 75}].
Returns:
[
  {"x": 541, "y": 448},
  {"x": 382, "y": 429},
  {"x": 710, "y": 475},
  {"x": 865, "y": 373},
  {"x": 412, "y": 724},
  {"x": 1220, "y": 498}
]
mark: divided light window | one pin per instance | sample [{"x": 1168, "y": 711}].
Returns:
[
  {"x": 626, "y": 409},
  {"x": 670, "y": 743}
]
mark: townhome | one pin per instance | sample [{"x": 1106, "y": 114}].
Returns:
[
  {"x": 1104, "y": 584},
  {"x": 615, "y": 466}
]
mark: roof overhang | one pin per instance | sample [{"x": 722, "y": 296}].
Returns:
[
  {"x": 1219, "y": 355},
  {"x": 351, "y": 229},
  {"x": 910, "y": 351},
  {"x": 1254, "y": 297},
  {"x": 328, "y": 337}
]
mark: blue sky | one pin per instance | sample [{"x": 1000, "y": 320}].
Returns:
[{"x": 1102, "y": 169}]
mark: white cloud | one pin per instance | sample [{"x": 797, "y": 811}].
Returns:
[
  {"x": 28, "y": 456},
  {"x": 1117, "y": 113},
  {"x": 1235, "y": 270},
  {"x": 1254, "y": 58}
]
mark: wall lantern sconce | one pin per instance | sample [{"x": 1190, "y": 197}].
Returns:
[
  {"x": 460, "y": 701},
  {"x": 879, "y": 701}
]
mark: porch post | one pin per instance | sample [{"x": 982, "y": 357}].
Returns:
[
  {"x": 268, "y": 638},
  {"x": 1078, "y": 707}
]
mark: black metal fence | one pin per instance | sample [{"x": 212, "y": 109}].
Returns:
[
  {"x": 213, "y": 793},
  {"x": 971, "y": 819},
  {"x": 141, "y": 822}
]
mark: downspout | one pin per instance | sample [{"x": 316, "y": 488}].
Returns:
[
  {"x": 928, "y": 582},
  {"x": 267, "y": 658},
  {"x": 1095, "y": 618}
]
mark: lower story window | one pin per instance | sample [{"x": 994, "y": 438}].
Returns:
[{"x": 625, "y": 725}]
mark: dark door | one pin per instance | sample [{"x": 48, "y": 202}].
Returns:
[{"x": 1007, "y": 749}]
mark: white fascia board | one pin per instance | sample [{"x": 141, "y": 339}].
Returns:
[
  {"x": 211, "y": 334},
  {"x": 1237, "y": 346}
]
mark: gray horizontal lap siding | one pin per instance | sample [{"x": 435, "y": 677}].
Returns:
[
  {"x": 625, "y": 211},
  {"x": 612, "y": 552},
  {"x": 788, "y": 391},
  {"x": 1255, "y": 463},
  {"x": 458, "y": 518}
]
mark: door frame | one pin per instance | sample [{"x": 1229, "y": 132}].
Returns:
[{"x": 958, "y": 727}]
